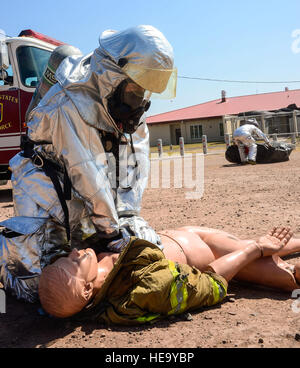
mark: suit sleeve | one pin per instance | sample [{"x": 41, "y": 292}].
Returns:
[{"x": 261, "y": 135}]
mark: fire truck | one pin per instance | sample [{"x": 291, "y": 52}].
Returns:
[{"x": 23, "y": 60}]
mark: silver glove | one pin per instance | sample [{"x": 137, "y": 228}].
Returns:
[
  {"x": 117, "y": 245},
  {"x": 137, "y": 226}
]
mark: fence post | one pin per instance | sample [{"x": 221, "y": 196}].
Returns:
[
  {"x": 227, "y": 140},
  {"x": 181, "y": 145},
  {"x": 275, "y": 137},
  {"x": 204, "y": 144},
  {"x": 159, "y": 146},
  {"x": 295, "y": 123},
  {"x": 293, "y": 138}
]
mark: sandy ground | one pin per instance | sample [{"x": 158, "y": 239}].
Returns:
[{"x": 243, "y": 200}]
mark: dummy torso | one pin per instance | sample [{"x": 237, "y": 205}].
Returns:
[{"x": 144, "y": 286}]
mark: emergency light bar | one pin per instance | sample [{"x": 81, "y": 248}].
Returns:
[{"x": 40, "y": 36}]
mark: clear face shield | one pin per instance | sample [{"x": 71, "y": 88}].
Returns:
[{"x": 157, "y": 83}]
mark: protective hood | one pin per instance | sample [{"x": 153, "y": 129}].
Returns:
[
  {"x": 251, "y": 121},
  {"x": 141, "y": 53}
]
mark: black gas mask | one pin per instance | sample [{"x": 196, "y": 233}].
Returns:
[{"x": 127, "y": 105}]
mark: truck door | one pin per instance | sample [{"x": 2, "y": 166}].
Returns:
[
  {"x": 28, "y": 62},
  {"x": 32, "y": 61},
  {"x": 9, "y": 116}
]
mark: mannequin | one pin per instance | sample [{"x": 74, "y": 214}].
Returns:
[{"x": 70, "y": 283}]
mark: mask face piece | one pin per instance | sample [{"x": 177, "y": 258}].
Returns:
[
  {"x": 133, "y": 95},
  {"x": 127, "y": 105}
]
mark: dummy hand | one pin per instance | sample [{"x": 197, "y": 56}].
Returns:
[{"x": 275, "y": 240}]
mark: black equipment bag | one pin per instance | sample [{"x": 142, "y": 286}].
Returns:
[{"x": 279, "y": 152}]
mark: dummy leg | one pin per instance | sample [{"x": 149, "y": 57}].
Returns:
[
  {"x": 187, "y": 248},
  {"x": 267, "y": 271},
  {"x": 270, "y": 271},
  {"x": 233, "y": 243},
  {"x": 293, "y": 246}
]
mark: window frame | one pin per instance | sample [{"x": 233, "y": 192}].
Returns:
[
  {"x": 196, "y": 128},
  {"x": 21, "y": 69}
]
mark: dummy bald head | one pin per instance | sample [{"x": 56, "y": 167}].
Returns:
[{"x": 61, "y": 294}]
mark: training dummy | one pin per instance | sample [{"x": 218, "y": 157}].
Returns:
[
  {"x": 144, "y": 284},
  {"x": 84, "y": 167}
]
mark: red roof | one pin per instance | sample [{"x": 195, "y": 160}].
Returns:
[{"x": 232, "y": 105}]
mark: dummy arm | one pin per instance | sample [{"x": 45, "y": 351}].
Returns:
[{"x": 230, "y": 264}]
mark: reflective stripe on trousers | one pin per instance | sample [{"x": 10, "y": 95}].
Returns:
[
  {"x": 178, "y": 296},
  {"x": 148, "y": 318},
  {"x": 179, "y": 293},
  {"x": 218, "y": 291}
]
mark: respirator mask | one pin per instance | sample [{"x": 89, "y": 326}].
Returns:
[{"x": 128, "y": 104}]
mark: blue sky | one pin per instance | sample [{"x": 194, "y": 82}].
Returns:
[{"x": 257, "y": 40}]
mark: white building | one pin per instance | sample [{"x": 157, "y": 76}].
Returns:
[{"x": 276, "y": 112}]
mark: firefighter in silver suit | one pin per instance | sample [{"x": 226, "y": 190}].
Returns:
[
  {"x": 244, "y": 136},
  {"x": 81, "y": 176}
]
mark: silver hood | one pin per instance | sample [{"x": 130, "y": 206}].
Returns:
[{"x": 143, "y": 46}]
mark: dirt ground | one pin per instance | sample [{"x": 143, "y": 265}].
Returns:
[{"x": 244, "y": 200}]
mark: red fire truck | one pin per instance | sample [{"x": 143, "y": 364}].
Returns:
[{"x": 22, "y": 62}]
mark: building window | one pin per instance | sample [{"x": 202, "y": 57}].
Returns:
[
  {"x": 196, "y": 131},
  {"x": 221, "y": 129}
]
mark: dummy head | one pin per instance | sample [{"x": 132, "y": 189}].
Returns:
[{"x": 67, "y": 285}]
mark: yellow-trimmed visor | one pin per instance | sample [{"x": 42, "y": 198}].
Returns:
[{"x": 161, "y": 83}]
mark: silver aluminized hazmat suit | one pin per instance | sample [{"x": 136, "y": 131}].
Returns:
[
  {"x": 69, "y": 129},
  {"x": 245, "y": 136}
]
